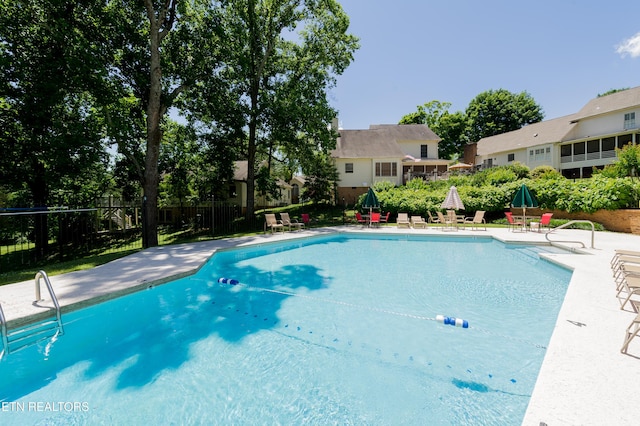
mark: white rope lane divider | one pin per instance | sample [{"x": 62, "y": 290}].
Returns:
[
  {"x": 440, "y": 318},
  {"x": 446, "y": 320}
]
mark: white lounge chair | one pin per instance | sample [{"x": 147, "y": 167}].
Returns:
[
  {"x": 403, "y": 220},
  {"x": 270, "y": 222},
  {"x": 418, "y": 222},
  {"x": 446, "y": 222},
  {"x": 290, "y": 223},
  {"x": 631, "y": 332},
  {"x": 476, "y": 221}
]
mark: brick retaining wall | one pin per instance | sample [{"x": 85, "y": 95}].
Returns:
[{"x": 624, "y": 220}]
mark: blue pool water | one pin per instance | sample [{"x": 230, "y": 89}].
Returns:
[{"x": 330, "y": 330}]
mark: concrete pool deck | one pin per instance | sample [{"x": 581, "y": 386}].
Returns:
[{"x": 584, "y": 379}]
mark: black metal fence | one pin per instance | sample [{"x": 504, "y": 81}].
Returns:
[{"x": 33, "y": 238}]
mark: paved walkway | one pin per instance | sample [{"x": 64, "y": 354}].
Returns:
[{"x": 584, "y": 379}]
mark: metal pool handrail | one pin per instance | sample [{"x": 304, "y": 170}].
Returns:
[
  {"x": 3, "y": 327},
  {"x": 593, "y": 232},
  {"x": 43, "y": 274}
]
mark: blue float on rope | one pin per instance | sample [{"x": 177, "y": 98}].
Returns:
[
  {"x": 229, "y": 281},
  {"x": 457, "y": 322}
]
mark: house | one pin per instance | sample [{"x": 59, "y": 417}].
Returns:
[
  {"x": 394, "y": 153},
  {"x": 574, "y": 144},
  {"x": 288, "y": 191}
]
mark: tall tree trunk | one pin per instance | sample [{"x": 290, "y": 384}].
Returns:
[
  {"x": 159, "y": 26},
  {"x": 251, "y": 181}
]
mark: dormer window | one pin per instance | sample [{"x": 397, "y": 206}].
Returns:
[{"x": 629, "y": 120}]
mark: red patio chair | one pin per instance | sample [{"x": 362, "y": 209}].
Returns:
[
  {"x": 360, "y": 219},
  {"x": 513, "y": 224},
  {"x": 375, "y": 219},
  {"x": 545, "y": 221}
]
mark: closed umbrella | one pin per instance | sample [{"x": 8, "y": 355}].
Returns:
[
  {"x": 452, "y": 201},
  {"x": 371, "y": 200},
  {"x": 524, "y": 199}
]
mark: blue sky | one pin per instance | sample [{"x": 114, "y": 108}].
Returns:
[{"x": 562, "y": 52}]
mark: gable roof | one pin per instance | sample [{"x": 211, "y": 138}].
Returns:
[
  {"x": 380, "y": 140},
  {"x": 543, "y": 132},
  {"x": 617, "y": 101}
]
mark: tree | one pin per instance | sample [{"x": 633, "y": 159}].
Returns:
[
  {"x": 280, "y": 58},
  {"x": 164, "y": 48},
  {"x": 450, "y": 127},
  {"x": 321, "y": 179},
  {"x": 51, "y": 72},
  {"x": 626, "y": 164},
  {"x": 500, "y": 111}
]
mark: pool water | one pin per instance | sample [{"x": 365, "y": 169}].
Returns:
[{"x": 336, "y": 329}]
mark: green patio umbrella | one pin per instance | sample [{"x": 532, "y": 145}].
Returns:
[
  {"x": 371, "y": 200},
  {"x": 524, "y": 199}
]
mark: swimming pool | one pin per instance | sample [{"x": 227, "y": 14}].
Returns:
[{"x": 333, "y": 329}]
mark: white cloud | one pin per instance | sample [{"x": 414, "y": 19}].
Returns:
[{"x": 630, "y": 46}]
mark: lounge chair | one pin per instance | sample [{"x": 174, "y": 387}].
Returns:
[
  {"x": 513, "y": 224},
  {"x": 290, "y": 223},
  {"x": 476, "y": 220},
  {"x": 403, "y": 220},
  {"x": 625, "y": 265},
  {"x": 446, "y": 222},
  {"x": 621, "y": 252},
  {"x": 270, "y": 222},
  {"x": 418, "y": 222},
  {"x": 631, "y": 285},
  {"x": 623, "y": 272},
  {"x": 631, "y": 332}
]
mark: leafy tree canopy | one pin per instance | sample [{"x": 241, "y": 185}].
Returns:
[{"x": 499, "y": 111}]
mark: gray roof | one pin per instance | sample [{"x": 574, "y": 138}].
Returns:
[
  {"x": 618, "y": 101},
  {"x": 380, "y": 140},
  {"x": 549, "y": 131},
  {"x": 557, "y": 130}
]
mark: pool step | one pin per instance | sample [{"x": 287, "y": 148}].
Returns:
[{"x": 31, "y": 334}]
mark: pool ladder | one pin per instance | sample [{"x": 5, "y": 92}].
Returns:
[{"x": 21, "y": 337}]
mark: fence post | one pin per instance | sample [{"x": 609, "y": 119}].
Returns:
[{"x": 213, "y": 216}]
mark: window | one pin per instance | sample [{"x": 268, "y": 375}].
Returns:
[
  {"x": 608, "y": 147},
  {"x": 232, "y": 191},
  {"x": 511, "y": 157},
  {"x": 348, "y": 167},
  {"x": 386, "y": 169},
  {"x": 593, "y": 149},
  {"x": 630, "y": 120},
  {"x": 578, "y": 151},
  {"x": 624, "y": 140},
  {"x": 423, "y": 151},
  {"x": 565, "y": 154}
]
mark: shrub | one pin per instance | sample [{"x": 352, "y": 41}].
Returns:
[{"x": 545, "y": 172}]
